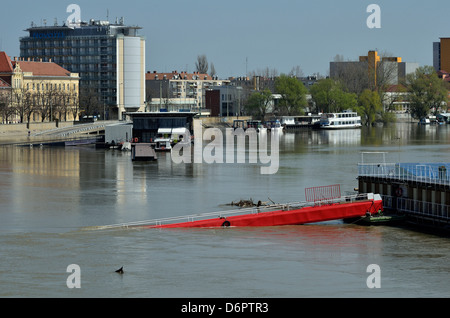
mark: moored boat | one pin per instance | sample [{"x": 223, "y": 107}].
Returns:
[
  {"x": 257, "y": 125},
  {"x": 346, "y": 119},
  {"x": 274, "y": 125},
  {"x": 378, "y": 219}
]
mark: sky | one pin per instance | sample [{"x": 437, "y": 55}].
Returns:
[{"x": 241, "y": 36}]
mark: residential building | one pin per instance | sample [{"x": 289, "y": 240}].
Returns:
[
  {"x": 225, "y": 101},
  {"x": 38, "y": 91},
  {"x": 110, "y": 58},
  {"x": 179, "y": 91}
]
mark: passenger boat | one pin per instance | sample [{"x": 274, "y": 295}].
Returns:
[
  {"x": 342, "y": 120},
  {"x": 317, "y": 210}
]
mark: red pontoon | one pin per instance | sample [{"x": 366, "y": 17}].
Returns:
[{"x": 323, "y": 204}]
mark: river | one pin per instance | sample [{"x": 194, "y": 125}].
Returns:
[{"x": 49, "y": 195}]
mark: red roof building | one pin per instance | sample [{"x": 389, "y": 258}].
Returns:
[{"x": 55, "y": 85}]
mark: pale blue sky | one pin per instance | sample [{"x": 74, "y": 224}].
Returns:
[{"x": 276, "y": 34}]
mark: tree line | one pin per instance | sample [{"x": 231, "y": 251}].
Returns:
[
  {"x": 50, "y": 104},
  {"x": 426, "y": 93}
]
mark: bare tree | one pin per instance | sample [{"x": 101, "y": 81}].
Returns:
[
  {"x": 90, "y": 101},
  {"x": 296, "y": 71},
  {"x": 5, "y": 105},
  {"x": 28, "y": 105},
  {"x": 75, "y": 102},
  {"x": 202, "y": 64},
  {"x": 212, "y": 70},
  {"x": 353, "y": 75}
]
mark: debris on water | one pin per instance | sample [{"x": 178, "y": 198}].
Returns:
[
  {"x": 120, "y": 270},
  {"x": 247, "y": 203}
]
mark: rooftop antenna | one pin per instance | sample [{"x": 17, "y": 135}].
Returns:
[{"x": 107, "y": 14}]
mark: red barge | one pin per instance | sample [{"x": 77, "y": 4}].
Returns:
[{"x": 324, "y": 206}]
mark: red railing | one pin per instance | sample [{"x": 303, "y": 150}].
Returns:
[{"x": 323, "y": 193}]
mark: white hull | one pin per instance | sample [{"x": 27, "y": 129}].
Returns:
[
  {"x": 345, "y": 120},
  {"x": 341, "y": 126}
]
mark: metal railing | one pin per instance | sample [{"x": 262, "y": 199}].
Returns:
[
  {"x": 425, "y": 173},
  {"x": 407, "y": 206}
]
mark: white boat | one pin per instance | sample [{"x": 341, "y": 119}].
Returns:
[
  {"x": 163, "y": 144},
  {"x": 167, "y": 137},
  {"x": 346, "y": 119},
  {"x": 428, "y": 120}
]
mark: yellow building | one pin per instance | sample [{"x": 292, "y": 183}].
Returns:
[
  {"x": 373, "y": 59},
  {"x": 39, "y": 91}
]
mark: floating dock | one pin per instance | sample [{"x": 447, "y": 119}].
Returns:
[
  {"x": 418, "y": 191},
  {"x": 143, "y": 151}
]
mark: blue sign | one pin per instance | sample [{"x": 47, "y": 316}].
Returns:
[{"x": 48, "y": 35}]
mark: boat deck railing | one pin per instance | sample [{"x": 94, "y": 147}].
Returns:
[
  {"x": 234, "y": 212},
  {"x": 431, "y": 210},
  {"x": 423, "y": 173}
]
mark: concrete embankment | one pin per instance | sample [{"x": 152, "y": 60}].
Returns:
[{"x": 23, "y": 129}]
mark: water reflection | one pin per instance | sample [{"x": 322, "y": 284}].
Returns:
[{"x": 111, "y": 187}]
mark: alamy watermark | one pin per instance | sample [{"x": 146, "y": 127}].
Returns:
[
  {"x": 374, "y": 19},
  {"x": 74, "y": 279},
  {"x": 218, "y": 151},
  {"x": 374, "y": 279},
  {"x": 75, "y": 17}
]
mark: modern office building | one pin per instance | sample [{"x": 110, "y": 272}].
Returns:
[{"x": 109, "y": 57}]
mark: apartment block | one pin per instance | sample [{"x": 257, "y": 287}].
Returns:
[{"x": 179, "y": 91}]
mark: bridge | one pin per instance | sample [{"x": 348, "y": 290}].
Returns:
[
  {"x": 88, "y": 128},
  {"x": 73, "y": 135}
]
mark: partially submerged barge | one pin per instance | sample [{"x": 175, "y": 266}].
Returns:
[{"x": 324, "y": 205}]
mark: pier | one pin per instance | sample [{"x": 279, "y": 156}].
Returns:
[{"x": 419, "y": 191}]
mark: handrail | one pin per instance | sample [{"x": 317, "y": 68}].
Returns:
[
  {"x": 405, "y": 172},
  {"x": 417, "y": 207},
  {"x": 251, "y": 210}
]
